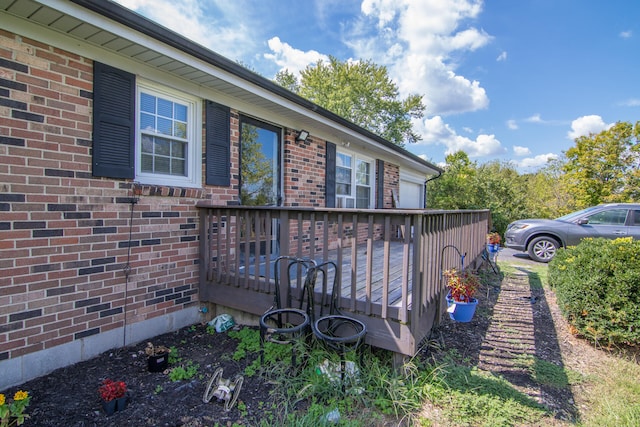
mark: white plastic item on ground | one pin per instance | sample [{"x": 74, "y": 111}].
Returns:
[{"x": 222, "y": 322}]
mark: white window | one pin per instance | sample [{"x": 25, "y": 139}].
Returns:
[
  {"x": 354, "y": 181},
  {"x": 168, "y": 144}
]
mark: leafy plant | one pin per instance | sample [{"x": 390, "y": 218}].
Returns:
[
  {"x": 173, "y": 356},
  {"x": 110, "y": 389},
  {"x": 462, "y": 285},
  {"x": 186, "y": 372},
  {"x": 597, "y": 284},
  {"x": 493, "y": 238},
  {"x": 13, "y": 413}
]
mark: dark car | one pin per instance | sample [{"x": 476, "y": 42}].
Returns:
[{"x": 542, "y": 237}]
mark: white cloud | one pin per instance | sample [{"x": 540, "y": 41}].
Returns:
[
  {"x": 633, "y": 102},
  {"x": 512, "y": 124},
  {"x": 626, "y": 34},
  {"x": 502, "y": 56},
  {"x": 294, "y": 60},
  {"x": 417, "y": 41},
  {"x": 537, "y": 161},
  {"x": 226, "y": 29},
  {"x": 521, "y": 151},
  {"x": 534, "y": 119},
  {"x": 585, "y": 125},
  {"x": 436, "y": 132}
]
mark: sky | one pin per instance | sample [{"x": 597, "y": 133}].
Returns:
[{"x": 508, "y": 80}]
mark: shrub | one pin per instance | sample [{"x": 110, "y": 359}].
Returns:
[{"x": 597, "y": 284}]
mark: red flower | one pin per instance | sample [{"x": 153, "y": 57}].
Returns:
[
  {"x": 110, "y": 389},
  {"x": 462, "y": 285}
]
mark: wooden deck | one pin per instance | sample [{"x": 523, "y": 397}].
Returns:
[{"x": 393, "y": 284}]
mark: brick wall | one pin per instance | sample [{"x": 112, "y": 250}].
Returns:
[
  {"x": 67, "y": 239},
  {"x": 304, "y": 171},
  {"x": 80, "y": 256}
]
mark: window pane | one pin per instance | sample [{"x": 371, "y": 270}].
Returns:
[
  {"x": 180, "y": 130},
  {"x": 147, "y": 163},
  {"x": 612, "y": 217},
  {"x": 178, "y": 149},
  {"x": 178, "y": 167},
  {"x": 164, "y": 126},
  {"x": 259, "y": 165},
  {"x": 148, "y": 122},
  {"x": 343, "y": 189},
  {"x": 362, "y": 174},
  {"x": 343, "y": 175},
  {"x": 147, "y": 144},
  {"x": 161, "y": 165},
  {"x": 148, "y": 103},
  {"x": 165, "y": 108},
  {"x": 180, "y": 112},
  {"x": 162, "y": 147},
  {"x": 343, "y": 160},
  {"x": 362, "y": 197}
]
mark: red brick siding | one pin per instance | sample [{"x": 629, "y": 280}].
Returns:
[
  {"x": 304, "y": 171},
  {"x": 64, "y": 235}
]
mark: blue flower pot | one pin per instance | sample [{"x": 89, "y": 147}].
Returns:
[
  {"x": 461, "y": 311},
  {"x": 493, "y": 248}
]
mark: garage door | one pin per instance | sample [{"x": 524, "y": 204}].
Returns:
[{"x": 411, "y": 195}]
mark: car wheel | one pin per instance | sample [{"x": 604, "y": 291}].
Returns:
[{"x": 543, "y": 248}]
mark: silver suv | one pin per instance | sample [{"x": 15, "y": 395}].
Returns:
[{"x": 542, "y": 237}]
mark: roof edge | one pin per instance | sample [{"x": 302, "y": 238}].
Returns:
[{"x": 131, "y": 19}]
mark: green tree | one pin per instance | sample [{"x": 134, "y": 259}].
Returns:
[
  {"x": 466, "y": 185},
  {"x": 361, "y": 92},
  {"x": 547, "y": 194},
  {"x": 287, "y": 80},
  {"x": 604, "y": 167},
  {"x": 500, "y": 188},
  {"x": 455, "y": 188}
]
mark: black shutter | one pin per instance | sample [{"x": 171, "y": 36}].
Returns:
[
  {"x": 218, "y": 134},
  {"x": 330, "y": 176},
  {"x": 380, "y": 184},
  {"x": 114, "y": 93}
]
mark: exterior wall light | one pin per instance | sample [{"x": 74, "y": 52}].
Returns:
[{"x": 302, "y": 136}]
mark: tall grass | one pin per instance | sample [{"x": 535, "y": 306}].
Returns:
[{"x": 614, "y": 395}]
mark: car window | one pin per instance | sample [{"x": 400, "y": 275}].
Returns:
[
  {"x": 635, "y": 218},
  {"x": 612, "y": 217},
  {"x": 577, "y": 214}
]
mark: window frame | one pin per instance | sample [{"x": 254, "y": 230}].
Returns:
[
  {"x": 279, "y": 155},
  {"x": 193, "y": 177},
  {"x": 355, "y": 159}
]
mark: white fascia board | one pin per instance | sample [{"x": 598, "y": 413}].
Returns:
[{"x": 342, "y": 133}]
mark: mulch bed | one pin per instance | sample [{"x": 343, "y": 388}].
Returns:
[{"x": 69, "y": 396}]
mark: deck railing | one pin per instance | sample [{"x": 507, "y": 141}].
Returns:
[{"x": 390, "y": 261}]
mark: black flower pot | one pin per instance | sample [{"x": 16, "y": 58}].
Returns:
[
  {"x": 158, "y": 363},
  {"x": 121, "y": 403},
  {"x": 109, "y": 407}
]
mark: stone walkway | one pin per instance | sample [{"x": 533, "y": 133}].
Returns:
[{"x": 510, "y": 345}]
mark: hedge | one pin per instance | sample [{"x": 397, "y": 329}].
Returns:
[{"x": 597, "y": 284}]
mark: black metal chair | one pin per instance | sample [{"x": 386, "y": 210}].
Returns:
[
  {"x": 286, "y": 324},
  {"x": 338, "y": 332}
]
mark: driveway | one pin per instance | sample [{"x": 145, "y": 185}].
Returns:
[{"x": 516, "y": 257}]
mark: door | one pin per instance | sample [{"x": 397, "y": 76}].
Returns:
[{"x": 260, "y": 179}]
